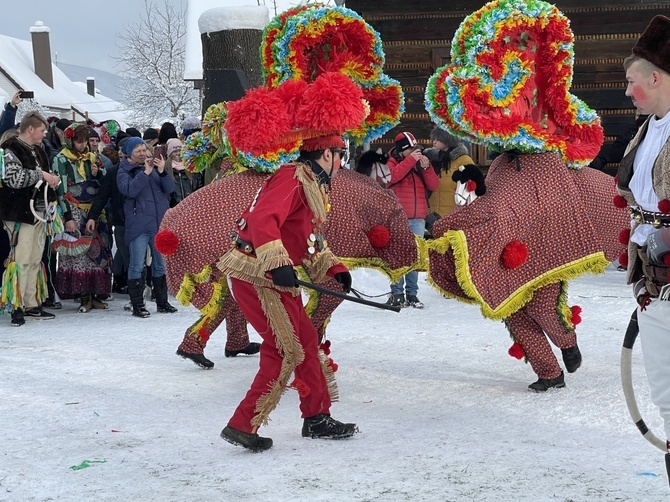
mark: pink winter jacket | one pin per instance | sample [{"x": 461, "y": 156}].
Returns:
[{"x": 409, "y": 186}]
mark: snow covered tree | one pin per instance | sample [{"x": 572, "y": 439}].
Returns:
[{"x": 152, "y": 61}]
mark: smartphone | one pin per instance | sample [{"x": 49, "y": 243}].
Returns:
[{"x": 27, "y": 94}]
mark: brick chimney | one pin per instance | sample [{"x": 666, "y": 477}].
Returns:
[{"x": 42, "y": 52}]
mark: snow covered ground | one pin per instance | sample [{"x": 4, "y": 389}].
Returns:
[{"x": 98, "y": 407}]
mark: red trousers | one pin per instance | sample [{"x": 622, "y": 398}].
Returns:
[{"x": 309, "y": 371}]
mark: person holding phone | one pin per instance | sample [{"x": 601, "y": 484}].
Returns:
[
  {"x": 8, "y": 117},
  {"x": 145, "y": 183}
]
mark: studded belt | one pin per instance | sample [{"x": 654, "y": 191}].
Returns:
[
  {"x": 658, "y": 220},
  {"x": 242, "y": 245}
]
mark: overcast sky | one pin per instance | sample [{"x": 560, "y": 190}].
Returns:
[{"x": 85, "y": 32}]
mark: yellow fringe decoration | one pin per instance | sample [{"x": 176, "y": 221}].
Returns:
[
  {"x": 187, "y": 286},
  {"x": 333, "y": 390},
  {"x": 213, "y": 307},
  {"x": 289, "y": 349},
  {"x": 321, "y": 263},
  {"x": 10, "y": 292},
  {"x": 316, "y": 199},
  {"x": 246, "y": 268},
  {"x": 594, "y": 263},
  {"x": 42, "y": 293},
  {"x": 564, "y": 310},
  {"x": 271, "y": 255}
]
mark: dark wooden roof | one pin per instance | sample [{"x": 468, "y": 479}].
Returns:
[{"x": 417, "y": 39}]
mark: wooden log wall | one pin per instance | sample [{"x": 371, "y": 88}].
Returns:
[{"x": 417, "y": 41}]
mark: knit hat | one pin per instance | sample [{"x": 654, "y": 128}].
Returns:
[
  {"x": 443, "y": 136},
  {"x": 122, "y": 142},
  {"x": 130, "y": 145},
  {"x": 92, "y": 133},
  {"x": 150, "y": 134},
  {"x": 119, "y": 137},
  {"x": 404, "y": 140},
  {"x": 654, "y": 44},
  {"x": 134, "y": 132},
  {"x": 63, "y": 124},
  {"x": 173, "y": 145}
]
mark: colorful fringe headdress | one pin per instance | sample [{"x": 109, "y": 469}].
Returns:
[
  {"x": 323, "y": 74},
  {"x": 507, "y": 86}
]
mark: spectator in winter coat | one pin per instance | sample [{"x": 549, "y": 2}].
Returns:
[
  {"x": 183, "y": 180},
  {"x": 55, "y": 137},
  {"x": 8, "y": 117},
  {"x": 167, "y": 131},
  {"x": 446, "y": 156},
  {"x": 147, "y": 186},
  {"x": 411, "y": 176},
  {"x": 150, "y": 137}
]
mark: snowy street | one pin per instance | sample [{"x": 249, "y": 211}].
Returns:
[{"x": 98, "y": 407}]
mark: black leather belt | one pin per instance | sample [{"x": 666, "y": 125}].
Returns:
[
  {"x": 658, "y": 220},
  {"x": 242, "y": 245}
]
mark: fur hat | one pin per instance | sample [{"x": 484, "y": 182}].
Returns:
[
  {"x": 130, "y": 145},
  {"x": 404, "y": 140},
  {"x": 654, "y": 44},
  {"x": 443, "y": 136}
]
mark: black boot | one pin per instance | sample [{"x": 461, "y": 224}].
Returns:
[
  {"x": 120, "y": 284},
  {"x": 250, "y": 349},
  {"x": 136, "y": 293},
  {"x": 160, "y": 287},
  {"x": 323, "y": 426},
  {"x": 572, "y": 358},
  {"x": 252, "y": 442},
  {"x": 544, "y": 384}
]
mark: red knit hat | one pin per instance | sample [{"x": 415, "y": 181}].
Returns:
[{"x": 404, "y": 140}]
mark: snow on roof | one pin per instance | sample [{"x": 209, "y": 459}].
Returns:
[
  {"x": 16, "y": 60},
  {"x": 244, "y": 17}
]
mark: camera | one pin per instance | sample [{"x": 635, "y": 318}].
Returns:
[
  {"x": 435, "y": 154},
  {"x": 27, "y": 94}
]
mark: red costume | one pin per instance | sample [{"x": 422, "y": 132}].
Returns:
[{"x": 282, "y": 227}]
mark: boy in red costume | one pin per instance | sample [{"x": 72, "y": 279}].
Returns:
[{"x": 283, "y": 228}]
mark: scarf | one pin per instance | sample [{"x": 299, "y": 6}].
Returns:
[
  {"x": 178, "y": 166},
  {"x": 79, "y": 159}
]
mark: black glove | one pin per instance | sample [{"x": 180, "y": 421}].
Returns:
[
  {"x": 471, "y": 172},
  {"x": 658, "y": 244},
  {"x": 284, "y": 276},
  {"x": 344, "y": 278}
]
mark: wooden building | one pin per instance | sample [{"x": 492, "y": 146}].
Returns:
[{"x": 417, "y": 40}]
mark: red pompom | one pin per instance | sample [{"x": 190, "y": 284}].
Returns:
[
  {"x": 514, "y": 254},
  {"x": 624, "y": 236},
  {"x": 623, "y": 259},
  {"x": 576, "y": 318},
  {"x": 664, "y": 206},
  {"x": 291, "y": 93},
  {"x": 302, "y": 388},
  {"x": 256, "y": 120},
  {"x": 333, "y": 103},
  {"x": 620, "y": 202},
  {"x": 166, "y": 242},
  {"x": 516, "y": 350},
  {"x": 379, "y": 236},
  {"x": 471, "y": 185},
  {"x": 333, "y": 365},
  {"x": 69, "y": 133}
]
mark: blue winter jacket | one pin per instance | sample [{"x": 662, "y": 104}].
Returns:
[{"x": 147, "y": 198}]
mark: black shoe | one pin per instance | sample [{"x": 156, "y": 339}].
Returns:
[
  {"x": 251, "y": 442},
  {"x": 17, "y": 318},
  {"x": 572, "y": 358},
  {"x": 49, "y": 303},
  {"x": 140, "y": 311},
  {"x": 413, "y": 301},
  {"x": 198, "y": 359},
  {"x": 165, "y": 308},
  {"x": 543, "y": 384},
  {"x": 396, "y": 300},
  {"x": 38, "y": 313},
  {"x": 250, "y": 349},
  {"x": 324, "y": 426}
]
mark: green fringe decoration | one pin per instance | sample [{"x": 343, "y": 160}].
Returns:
[
  {"x": 10, "y": 293},
  {"x": 42, "y": 292}
]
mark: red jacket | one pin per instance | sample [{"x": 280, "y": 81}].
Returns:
[{"x": 409, "y": 186}]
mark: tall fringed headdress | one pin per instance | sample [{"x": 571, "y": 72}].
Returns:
[
  {"x": 323, "y": 76},
  {"x": 507, "y": 85}
]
